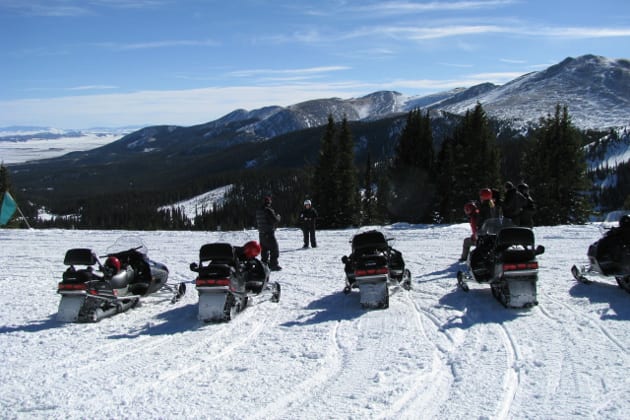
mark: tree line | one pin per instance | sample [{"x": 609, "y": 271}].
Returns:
[{"x": 426, "y": 180}]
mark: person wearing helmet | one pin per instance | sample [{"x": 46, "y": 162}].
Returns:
[
  {"x": 308, "y": 218},
  {"x": 471, "y": 210},
  {"x": 487, "y": 207},
  {"x": 267, "y": 220}
]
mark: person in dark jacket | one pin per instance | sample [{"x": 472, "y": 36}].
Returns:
[
  {"x": 267, "y": 220},
  {"x": 527, "y": 213},
  {"x": 308, "y": 218},
  {"x": 513, "y": 203}
]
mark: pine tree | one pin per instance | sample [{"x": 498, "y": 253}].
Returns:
[
  {"x": 324, "y": 182},
  {"x": 469, "y": 161},
  {"x": 383, "y": 199},
  {"x": 413, "y": 172},
  {"x": 5, "y": 179},
  {"x": 368, "y": 201},
  {"x": 348, "y": 204},
  {"x": 558, "y": 171}
]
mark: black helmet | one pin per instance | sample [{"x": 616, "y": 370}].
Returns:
[
  {"x": 523, "y": 187},
  {"x": 624, "y": 222}
]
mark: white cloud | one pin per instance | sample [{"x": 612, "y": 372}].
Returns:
[{"x": 194, "y": 106}]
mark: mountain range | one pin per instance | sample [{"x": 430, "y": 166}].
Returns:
[{"x": 595, "y": 89}]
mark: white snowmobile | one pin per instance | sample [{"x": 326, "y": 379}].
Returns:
[
  {"x": 91, "y": 291},
  {"x": 372, "y": 267},
  {"x": 504, "y": 257},
  {"x": 228, "y": 276},
  {"x": 610, "y": 255}
]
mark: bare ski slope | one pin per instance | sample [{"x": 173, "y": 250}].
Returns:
[{"x": 436, "y": 353}]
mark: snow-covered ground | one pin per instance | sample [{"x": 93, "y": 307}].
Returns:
[
  {"x": 437, "y": 352},
  {"x": 204, "y": 202},
  {"x": 38, "y": 148}
]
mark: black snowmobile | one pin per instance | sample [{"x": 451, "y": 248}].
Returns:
[
  {"x": 372, "y": 267},
  {"x": 91, "y": 291},
  {"x": 504, "y": 257},
  {"x": 228, "y": 276},
  {"x": 610, "y": 255}
]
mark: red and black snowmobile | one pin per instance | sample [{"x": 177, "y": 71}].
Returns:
[
  {"x": 372, "y": 267},
  {"x": 91, "y": 291},
  {"x": 504, "y": 257},
  {"x": 227, "y": 277}
]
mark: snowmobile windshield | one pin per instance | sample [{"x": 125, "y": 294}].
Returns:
[
  {"x": 493, "y": 226},
  {"x": 126, "y": 243},
  {"x": 612, "y": 220}
]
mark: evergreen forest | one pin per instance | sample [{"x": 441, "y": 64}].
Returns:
[{"x": 426, "y": 176}]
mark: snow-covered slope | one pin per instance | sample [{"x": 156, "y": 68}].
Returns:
[
  {"x": 201, "y": 203},
  {"x": 595, "y": 89},
  {"x": 436, "y": 353},
  {"x": 605, "y": 155}
]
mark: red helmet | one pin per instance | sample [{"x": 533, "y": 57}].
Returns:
[
  {"x": 470, "y": 208},
  {"x": 113, "y": 263},
  {"x": 251, "y": 249},
  {"x": 485, "y": 194}
]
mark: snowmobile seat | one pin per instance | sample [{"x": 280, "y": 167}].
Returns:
[
  {"x": 220, "y": 258},
  {"x": 80, "y": 256},
  {"x": 372, "y": 239},
  {"x": 515, "y": 244},
  {"x": 72, "y": 275},
  {"x": 218, "y": 253}
]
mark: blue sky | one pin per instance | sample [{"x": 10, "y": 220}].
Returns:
[{"x": 87, "y": 63}]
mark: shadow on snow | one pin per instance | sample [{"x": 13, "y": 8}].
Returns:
[
  {"x": 335, "y": 307},
  {"x": 602, "y": 292},
  {"x": 34, "y": 326}
]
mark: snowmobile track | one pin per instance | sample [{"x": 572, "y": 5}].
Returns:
[
  {"x": 512, "y": 378},
  {"x": 605, "y": 332},
  {"x": 330, "y": 366},
  {"x": 419, "y": 398},
  {"x": 214, "y": 348}
]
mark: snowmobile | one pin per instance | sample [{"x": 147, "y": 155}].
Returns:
[
  {"x": 372, "y": 267},
  {"x": 505, "y": 257},
  {"x": 228, "y": 276},
  {"x": 91, "y": 291},
  {"x": 610, "y": 255}
]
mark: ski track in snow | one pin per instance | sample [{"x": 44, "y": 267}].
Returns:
[{"x": 436, "y": 352}]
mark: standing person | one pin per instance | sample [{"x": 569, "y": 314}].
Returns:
[
  {"x": 487, "y": 208},
  {"x": 472, "y": 211},
  {"x": 267, "y": 220},
  {"x": 513, "y": 203},
  {"x": 527, "y": 213},
  {"x": 308, "y": 217}
]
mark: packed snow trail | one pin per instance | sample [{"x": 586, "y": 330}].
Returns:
[{"x": 436, "y": 352}]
